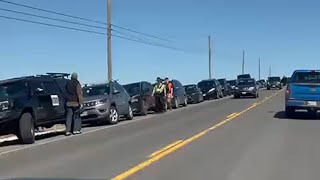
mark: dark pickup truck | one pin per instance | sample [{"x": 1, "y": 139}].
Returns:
[{"x": 30, "y": 102}]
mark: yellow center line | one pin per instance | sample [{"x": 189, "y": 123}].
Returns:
[
  {"x": 165, "y": 148},
  {"x": 230, "y": 115},
  {"x": 179, "y": 144}
]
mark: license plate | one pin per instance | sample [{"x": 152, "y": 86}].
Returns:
[
  {"x": 84, "y": 113},
  {"x": 244, "y": 92},
  {"x": 311, "y": 103}
]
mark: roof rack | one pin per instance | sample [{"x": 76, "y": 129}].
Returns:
[{"x": 59, "y": 75}]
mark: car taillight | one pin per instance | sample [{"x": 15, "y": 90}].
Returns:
[{"x": 288, "y": 92}]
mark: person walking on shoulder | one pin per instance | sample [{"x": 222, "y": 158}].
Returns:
[{"x": 73, "y": 105}]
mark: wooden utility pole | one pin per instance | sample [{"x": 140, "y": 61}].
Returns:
[
  {"x": 109, "y": 41},
  {"x": 209, "y": 57},
  {"x": 259, "y": 69},
  {"x": 243, "y": 54}
]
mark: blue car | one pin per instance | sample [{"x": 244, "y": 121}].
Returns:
[{"x": 303, "y": 92}]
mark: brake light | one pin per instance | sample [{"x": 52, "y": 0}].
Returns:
[
  {"x": 288, "y": 92},
  {"x": 313, "y": 71}
]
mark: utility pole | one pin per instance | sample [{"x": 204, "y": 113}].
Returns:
[
  {"x": 243, "y": 54},
  {"x": 109, "y": 41},
  {"x": 209, "y": 57},
  {"x": 259, "y": 69}
]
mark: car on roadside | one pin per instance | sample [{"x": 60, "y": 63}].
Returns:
[
  {"x": 27, "y": 103},
  {"x": 244, "y": 76},
  {"x": 274, "y": 83},
  {"x": 303, "y": 92},
  {"x": 102, "y": 106},
  {"x": 194, "y": 93},
  {"x": 259, "y": 84},
  {"x": 246, "y": 87},
  {"x": 211, "y": 89},
  {"x": 226, "y": 88},
  {"x": 262, "y": 83},
  {"x": 141, "y": 97},
  {"x": 233, "y": 84},
  {"x": 179, "y": 95}
]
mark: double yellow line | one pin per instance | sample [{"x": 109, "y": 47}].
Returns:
[{"x": 180, "y": 143}]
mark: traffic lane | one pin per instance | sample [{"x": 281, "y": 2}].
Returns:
[
  {"x": 260, "y": 144},
  {"x": 105, "y": 153}
]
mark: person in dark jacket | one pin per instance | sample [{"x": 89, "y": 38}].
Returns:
[{"x": 73, "y": 105}]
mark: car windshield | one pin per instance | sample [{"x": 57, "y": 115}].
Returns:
[
  {"x": 11, "y": 90},
  {"x": 245, "y": 82},
  {"x": 206, "y": 84},
  {"x": 190, "y": 88},
  {"x": 233, "y": 82},
  {"x": 222, "y": 81},
  {"x": 96, "y": 90},
  {"x": 244, "y": 76},
  {"x": 306, "y": 77},
  {"x": 274, "y": 79},
  {"x": 133, "y": 89}
]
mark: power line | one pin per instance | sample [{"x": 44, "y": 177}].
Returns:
[
  {"x": 151, "y": 44},
  {"x": 53, "y": 12},
  {"x": 137, "y": 32},
  {"x": 52, "y": 25},
  {"x": 130, "y": 36},
  {"x": 55, "y": 19}
]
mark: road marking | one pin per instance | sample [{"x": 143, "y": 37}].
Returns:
[
  {"x": 155, "y": 158},
  {"x": 230, "y": 115},
  {"x": 165, "y": 148}
]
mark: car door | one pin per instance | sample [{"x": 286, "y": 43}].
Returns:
[
  {"x": 57, "y": 108},
  {"x": 147, "y": 88},
  {"x": 119, "y": 96},
  {"x": 182, "y": 92},
  {"x": 41, "y": 101}
]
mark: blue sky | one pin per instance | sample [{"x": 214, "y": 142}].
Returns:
[{"x": 284, "y": 34}]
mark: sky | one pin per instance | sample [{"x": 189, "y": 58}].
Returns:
[{"x": 285, "y": 34}]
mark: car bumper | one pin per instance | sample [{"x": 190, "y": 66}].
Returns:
[
  {"x": 95, "y": 114},
  {"x": 245, "y": 93},
  {"x": 137, "y": 106},
  {"x": 209, "y": 95},
  {"x": 274, "y": 86},
  {"x": 303, "y": 104}
]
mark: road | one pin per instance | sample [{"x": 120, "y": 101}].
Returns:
[{"x": 226, "y": 139}]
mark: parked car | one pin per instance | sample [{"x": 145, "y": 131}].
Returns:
[
  {"x": 141, "y": 99},
  {"x": 246, "y": 87},
  {"x": 194, "y": 93},
  {"x": 210, "y": 89},
  {"x": 102, "y": 106},
  {"x": 284, "y": 81},
  {"x": 303, "y": 92},
  {"x": 233, "y": 84},
  {"x": 274, "y": 82},
  {"x": 259, "y": 84},
  {"x": 226, "y": 88},
  {"x": 27, "y": 103},
  {"x": 244, "y": 76},
  {"x": 179, "y": 95},
  {"x": 262, "y": 82}
]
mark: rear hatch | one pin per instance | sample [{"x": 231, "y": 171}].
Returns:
[{"x": 305, "y": 85}]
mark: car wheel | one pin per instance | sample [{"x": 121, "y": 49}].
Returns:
[
  {"x": 113, "y": 116},
  {"x": 26, "y": 129},
  {"x": 268, "y": 88},
  {"x": 176, "y": 103},
  {"x": 130, "y": 115},
  {"x": 144, "y": 110},
  {"x": 236, "y": 96},
  {"x": 289, "y": 111},
  {"x": 185, "y": 102}
]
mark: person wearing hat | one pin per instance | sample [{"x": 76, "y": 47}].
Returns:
[
  {"x": 159, "y": 92},
  {"x": 73, "y": 105}
]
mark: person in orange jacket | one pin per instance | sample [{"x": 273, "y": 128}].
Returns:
[{"x": 169, "y": 88}]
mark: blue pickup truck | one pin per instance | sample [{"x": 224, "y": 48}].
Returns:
[{"x": 303, "y": 92}]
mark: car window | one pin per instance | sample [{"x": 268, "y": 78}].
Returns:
[
  {"x": 118, "y": 87},
  {"x": 133, "y": 89},
  {"x": 50, "y": 87},
  {"x": 35, "y": 85},
  {"x": 12, "y": 90},
  {"x": 272, "y": 79},
  {"x": 96, "y": 90},
  {"x": 306, "y": 77}
]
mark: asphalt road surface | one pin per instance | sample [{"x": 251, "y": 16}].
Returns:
[{"x": 226, "y": 139}]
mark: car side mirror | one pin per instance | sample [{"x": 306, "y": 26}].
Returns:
[
  {"x": 116, "y": 91},
  {"x": 39, "y": 91}
]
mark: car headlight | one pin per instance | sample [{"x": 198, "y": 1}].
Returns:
[
  {"x": 236, "y": 87},
  {"x": 251, "y": 88},
  {"x": 134, "y": 100},
  {"x": 103, "y": 101},
  {"x": 213, "y": 89}
]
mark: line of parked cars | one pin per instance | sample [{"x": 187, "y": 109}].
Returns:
[{"x": 27, "y": 103}]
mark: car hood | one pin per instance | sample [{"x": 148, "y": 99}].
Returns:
[{"x": 95, "y": 98}]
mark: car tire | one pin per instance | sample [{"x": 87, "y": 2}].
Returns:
[
  {"x": 268, "y": 88},
  {"x": 185, "y": 104},
  {"x": 26, "y": 132},
  {"x": 113, "y": 116},
  {"x": 176, "y": 103},
  {"x": 144, "y": 110},
  {"x": 236, "y": 96},
  {"x": 289, "y": 111},
  {"x": 130, "y": 115}
]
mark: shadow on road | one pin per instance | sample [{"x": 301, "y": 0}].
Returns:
[
  {"x": 297, "y": 116},
  {"x": 50, "y": 179}
]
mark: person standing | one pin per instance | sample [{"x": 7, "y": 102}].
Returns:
[
  {"x": 169, "y": 89},
  {"x": 73, "y": 105},
  {"x": 159, "y": 91}
]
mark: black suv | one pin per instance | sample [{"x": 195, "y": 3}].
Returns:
[
  {"x": 179, "y": 95},
  {"x": 141, "y": 98},
  {"x": 246, "y": 87},
  {"x": 274, "y": 82},
  {"x": 101, "y": 106},
  {"x": 244, "y": 76},
  {"x": 194, "y": 93},
  {"x": 30, "y": 102},
  {"x": 210, "y": 89},
  {"x": 226, "y": 88}
]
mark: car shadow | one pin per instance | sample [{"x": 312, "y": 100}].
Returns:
[{"x": 296, "y": 116}]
